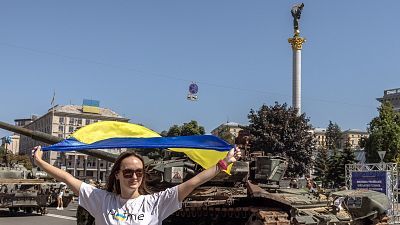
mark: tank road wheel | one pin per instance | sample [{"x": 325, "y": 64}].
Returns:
[
  {"x": 43, "y": 211},
  {"x": 28, "y": 210},
  {"x": 13, "y": 209}
]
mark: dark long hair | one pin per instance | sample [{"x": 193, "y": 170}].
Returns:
[{"x": 113, "y": 183}]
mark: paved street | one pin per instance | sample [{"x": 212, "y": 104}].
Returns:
[{"x": 64, "y": 217}]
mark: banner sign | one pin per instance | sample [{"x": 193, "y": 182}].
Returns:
[{"x": 372, "y": 180}]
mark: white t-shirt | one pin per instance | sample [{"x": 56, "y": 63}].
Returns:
[{"x": 109, "y": 208}]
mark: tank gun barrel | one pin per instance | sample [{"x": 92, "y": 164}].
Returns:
[{"x": 50, "y": 139}]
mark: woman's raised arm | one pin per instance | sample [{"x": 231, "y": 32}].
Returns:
[
  {"x": 58, "y": 174},
  {"x": 187, "y": 187}
]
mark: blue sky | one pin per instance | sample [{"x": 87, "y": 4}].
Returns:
[{"x": 139, "y": 57}]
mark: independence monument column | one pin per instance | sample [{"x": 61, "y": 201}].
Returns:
[{"x": 297, "y": 43}]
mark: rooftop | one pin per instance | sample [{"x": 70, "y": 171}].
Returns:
[{"x": 77, "y": 109}]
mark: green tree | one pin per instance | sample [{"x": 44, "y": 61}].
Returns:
[
  {"x": 21, "y": 159},
  {"x": 187, "y": 129},
  {"x": 174, "y": 131},
  {"x": 192, "y": 128},
  {"x": 278, "y": 130},
  {"x": 384, "y": 135},
  {"x": 321, "y": 166},
  {"x": 2, "y": 154},
  {"x": 333, "y": 172},
  {"x": 346, "y": 157},
  {"x": 164, "y": 133},
  {"x": 2, "y": 150},
  {"x": 333, "y": 136}
]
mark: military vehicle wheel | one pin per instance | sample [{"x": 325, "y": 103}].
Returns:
[
  {"x": 28, "y": 210},
  {"x": 43, "y": 211},
  {"x": 13, "y": 209}
]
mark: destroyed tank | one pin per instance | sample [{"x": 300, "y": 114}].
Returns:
[
  {"x": 253, "y": 195},
  {"x": 19, "y": 191}
]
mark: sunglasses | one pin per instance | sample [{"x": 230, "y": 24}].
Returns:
[{"x": 128, "y": 173}]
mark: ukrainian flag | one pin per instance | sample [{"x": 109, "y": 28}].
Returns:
[
  {"x": 206, "y": 150},
  {"x": 120, "y": 217}
]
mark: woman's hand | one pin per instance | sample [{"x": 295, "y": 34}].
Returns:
[
  {"x": 233, "y": 155},
  {"x": 37, "y": 153},
  {"x": 58, "y": 174},
  {"x": 187, "y": 187}
]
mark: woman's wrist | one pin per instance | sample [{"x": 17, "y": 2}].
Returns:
[{"x": 222, "y": 164}]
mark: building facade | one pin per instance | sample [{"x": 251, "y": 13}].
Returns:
[
  {"x": 319, "y": 137},
  {"x": 353, "y": 137},
  {"x": 61, "y": 121},
  {"x": 392, "y": 96},
  {"x": 231, "y": 127}
]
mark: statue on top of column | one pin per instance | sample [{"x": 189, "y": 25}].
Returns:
[{"x": 296, "y": 13}]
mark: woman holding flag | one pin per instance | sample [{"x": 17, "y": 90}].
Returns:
[{"x": 126, "y": 200}]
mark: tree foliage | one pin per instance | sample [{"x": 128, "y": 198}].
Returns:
[
  {"x": 21, "y": 159},
  {"x": 333, "y": 173},
  {"x": 346, "y": 157},
  {"x": 2, "y": 150},
  {"x": 321, "y": 166},
  {"x": 192, "y": 128},
  {"x": 174, "y": 131},
  {"x": 333, "y": 136},
  {"x": 338, "y": 159},
  {"x": 278, "y": 130},
  {"x": 384, "y": 135},
  {"x": 187, "y": 129},
  {"x": 7, "y": 157}
]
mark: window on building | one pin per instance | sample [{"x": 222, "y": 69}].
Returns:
[
  {"x": 60, "y": 135},
  {"x": 61, "y": 120},
  {"x": 71, "y": 129},
  {"x": 79, "y": 121},
  {"x": 71, "y": 121},
  {"x": 89, "y": 173},
  {"x": 87, "y": 121},
  {"x": 61, "y": 128}
]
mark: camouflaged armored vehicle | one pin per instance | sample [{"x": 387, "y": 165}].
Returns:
[
  {"x": 19, "y": 191},
  {"x": 252, "y": 195}
]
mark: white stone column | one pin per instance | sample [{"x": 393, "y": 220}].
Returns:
[
  {"x": 296, "y": 85},
  {"x": 297, "y": 45}
]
